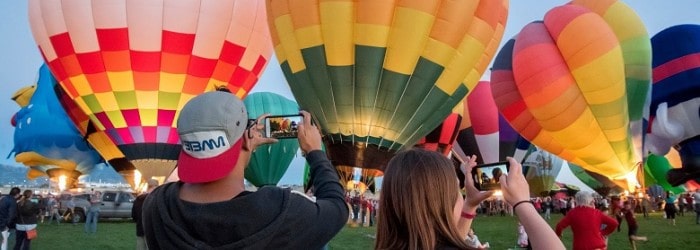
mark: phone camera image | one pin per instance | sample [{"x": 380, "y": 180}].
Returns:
[
  {"x": 487, "y": 177},
  {"x": 283, "y": 126}
]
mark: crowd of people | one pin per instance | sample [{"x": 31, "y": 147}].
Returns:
[{"x": 210, "y": 208}]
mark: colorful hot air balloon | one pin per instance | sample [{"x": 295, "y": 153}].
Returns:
[
  {"x": 379, "y": 76},
  {"x": 572, "y": 101},
  {"x": 46, "y": 138},
  {"x": 658, "y": 167},
  {"x": 674, "y": 119},
  {"x": 442, "y": 137},
  {"x": 269, "y": 162},
  {"x": 366, "y": 176},
  {"x": 483, "y": 133},
  {"x": 541, "y": 169},
  {"x": 132, "y": 65}
]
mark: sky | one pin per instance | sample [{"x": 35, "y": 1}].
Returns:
[{"x": 20, "y": 58}]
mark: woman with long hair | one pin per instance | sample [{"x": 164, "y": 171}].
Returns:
[
  {"x": 421, "y": 206},
  {"x": 27, "y": 213}
]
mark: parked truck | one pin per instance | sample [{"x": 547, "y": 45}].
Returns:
[{"x": 114, "y": 204}]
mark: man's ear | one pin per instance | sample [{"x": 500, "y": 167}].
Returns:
[{"x": 246, "y": 142}]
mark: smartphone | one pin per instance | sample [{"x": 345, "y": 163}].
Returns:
[
  {"x": 282, "y": 126},
  {"x": 487, "y": 176}
]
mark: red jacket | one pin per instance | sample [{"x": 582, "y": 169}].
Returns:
[{"x": 586, "y": 224}]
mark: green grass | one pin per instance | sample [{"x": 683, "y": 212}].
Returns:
[{"x": 499, "y": 231}]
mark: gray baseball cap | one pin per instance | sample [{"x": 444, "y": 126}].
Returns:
[{"x": 211, "y": 128}]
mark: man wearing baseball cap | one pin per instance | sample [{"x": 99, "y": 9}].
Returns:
[{"x": 209, "y": 208}]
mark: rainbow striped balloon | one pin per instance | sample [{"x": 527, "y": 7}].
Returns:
[
  {"x": 132, "y": 65},
  {"x": 380, "y": 75},
  {"x": 572, "y": 102}
]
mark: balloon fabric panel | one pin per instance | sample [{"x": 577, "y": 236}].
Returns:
[{"x": 381, "y": 75}]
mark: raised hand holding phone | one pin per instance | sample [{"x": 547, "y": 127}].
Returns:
[{"x": 309, "y": 136}]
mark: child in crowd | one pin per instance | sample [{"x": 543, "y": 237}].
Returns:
[
  {"x": 473, "y": 240},
  {"x": 631, "y": 225}
]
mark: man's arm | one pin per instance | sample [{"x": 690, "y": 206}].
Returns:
[
  {"x": 320, "y": 221},
  {"x": 563, "y": 223}
]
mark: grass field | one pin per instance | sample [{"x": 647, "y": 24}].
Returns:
[{"x": 499, "y": 231}]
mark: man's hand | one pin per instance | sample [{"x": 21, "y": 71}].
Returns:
[
  {"x": 253, "y": 135},
  {"x": 309, "y": 136}
]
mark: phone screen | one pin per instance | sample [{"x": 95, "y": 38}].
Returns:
[
  {"x": 282, "y": 126},
  {"x": 487, "y": 176}
]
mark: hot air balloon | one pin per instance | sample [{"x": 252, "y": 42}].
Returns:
[
  {"x": 269, "y": 162},
  {"x": 541, "y": 169},
  {"x": 132, "y": 65},
  {"x": 45, "y": 138},
  {"x": 441, "y": 138},
  {"x": 572, "y": 101},
  {"x": 483, "y": 131},
  {"x": 357, "y": 175},
  {"x": 658, "y": 167},
  {"x": 674, "y": 119},
  {"x": 379, "y": 76}
]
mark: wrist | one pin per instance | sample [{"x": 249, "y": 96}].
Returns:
[
  {"x": 467, "y": 215},
  {"x": 523, "y": 205}
]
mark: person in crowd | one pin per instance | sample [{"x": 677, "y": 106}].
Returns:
[
  {"x": 681, "y": 205},
  {"x": 616, "y": 210},
  {"x": 93, "y": 214},
  {"x": 136, "y": 214},
  {"x": 632, "y": 225},
  {"x": 8, "y": 213},
  {"x": 474, "y": 242},
  {"x": 586, "y": 223},
  {"x": 27, "y": 219},
  {"x": 689, "y": 202},
  {"x": 414, "y": 217},
  {"x": 42, "y": 208},
  {"x": 696, "y": 205},
  {"x": 670, "y": 208},
  {"x": 548, "y": 206},
  {"x": 52, "y": 207},
  {"x": 646, "y": 206},
  {"x": 209, "y": 207}
]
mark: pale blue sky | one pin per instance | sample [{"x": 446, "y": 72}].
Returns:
[{"x": 20, "y": 59}]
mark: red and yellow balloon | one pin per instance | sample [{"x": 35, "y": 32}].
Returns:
[
  {"x": 573, "y": 100},
  {"x": 132, "y": 65}
]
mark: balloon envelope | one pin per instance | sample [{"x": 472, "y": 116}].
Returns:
[
  {"x": 675, "y": 99},
  {"x": 269, "y": 162},
  {"x": 441, "y": 138},
  {"x": 45, "y": 136},
  {"x": 132, "y": 65},
  {"x": 541, "y": 169},
  {"x": 564, "y": 91},
  {"x": 378, "y": 76}
]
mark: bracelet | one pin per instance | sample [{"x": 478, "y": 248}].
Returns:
[
  {"x": 468, "y": 215},
  {"x": 521, "y": 202}
]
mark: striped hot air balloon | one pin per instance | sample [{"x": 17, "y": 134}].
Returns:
[
  {"x": 483, "y": 131},
  {"x": 441, "y": 138},
  {"x": 566, "y": 91},
  {"x": 380, "y": 75},
  {"x": 132, "y": 65}
]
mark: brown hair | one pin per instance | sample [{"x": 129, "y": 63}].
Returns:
[{"x": 417, "y": 200}]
